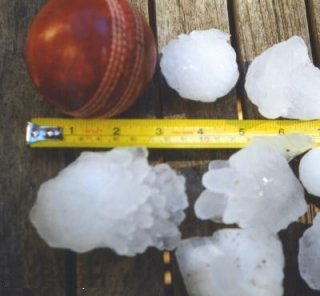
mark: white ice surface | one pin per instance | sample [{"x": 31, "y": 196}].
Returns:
[
  {"x": 283, "y": 82},
  {"x": 309, "y": 255},
  {"x": 200, "y": 66},
  {"x": 231, "y": 263},
  {"x": 309, "y": 171},
  {"x": 111, "y": 199},
  {"x": 257, "y": 187}
]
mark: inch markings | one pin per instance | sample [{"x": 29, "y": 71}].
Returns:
[{"x": 164, "y": 133}]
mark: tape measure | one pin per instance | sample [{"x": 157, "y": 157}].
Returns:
[{"x": 160, "y": 133}]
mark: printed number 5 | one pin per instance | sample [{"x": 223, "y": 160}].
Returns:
[{"x": 242, "y": 131}]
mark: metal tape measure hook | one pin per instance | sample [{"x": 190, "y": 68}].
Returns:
[{"x": 37, "y": 133}]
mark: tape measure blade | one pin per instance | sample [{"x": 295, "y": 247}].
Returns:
[{"x": 169, "y": 133}]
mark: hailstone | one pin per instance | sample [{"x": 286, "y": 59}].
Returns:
[
  {"x": 309, "y": 255},
  {"x": 256, "y": 187},
  {"x": 309, "y": 171},
  {"x": 201, "y": 66},
  {"x": 111, "y": 199},
  {"x": 283, "y": 82},
  {"x": 232, "y": 262}
]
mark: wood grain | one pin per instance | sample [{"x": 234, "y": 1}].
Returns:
[
  {"x": 25, "y": 260},
  {"x": 313, "y": 11},
  {"x": 27, "y": 265},
  {"x": 259, "y": 25},
  {"x": 102, "y": 272},
  {"x": 174, "y": 18},
  {"x": 32, "y": 292},
  {"x": 148, "y": 106},
  {"x": 184, "y": 16}
]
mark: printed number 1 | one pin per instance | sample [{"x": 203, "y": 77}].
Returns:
[{"x": 201, "y": 131}]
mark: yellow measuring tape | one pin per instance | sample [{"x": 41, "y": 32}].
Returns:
[{"x": 160, "y": 133}]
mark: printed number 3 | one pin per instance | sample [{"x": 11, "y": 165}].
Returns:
[{"x": 158, "y": 131}]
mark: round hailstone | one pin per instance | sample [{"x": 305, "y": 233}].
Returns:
[
  {"x": 111, "y": 199},
  {"x": 256, "y": 186},
  {"x": 309, "y": 255},
  {"x": 283, "y": 82},
  {"x": 201, "y": 66},
  {"x": 233, "y": 262},
  {"x": 309, "y": 171}
]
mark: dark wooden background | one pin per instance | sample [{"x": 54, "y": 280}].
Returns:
[{"x": 27, "y": 265}]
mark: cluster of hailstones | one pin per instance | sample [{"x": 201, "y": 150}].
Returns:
[
  {"x": 282, "y": 81},
  {"x": 116, "y": 199}
]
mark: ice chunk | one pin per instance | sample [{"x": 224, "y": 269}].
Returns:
[
  {"x": 200, "y": 66},
  {"x": 257, "y": 188},
  {"x": 283, "y": 82},
  {"x": 290, "y": 146},
  {"x": 309, "y": 255},
  {"x": 309, "y": 171},
  {"x": 231, "y": 263},
  {"x": 111, "y": 199},
  {"x": 210, "y": 205},
  {"x": 217, "y": 164}
]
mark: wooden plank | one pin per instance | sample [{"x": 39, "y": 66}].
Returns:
[
  {"x": 32, "y": 292},
  {"x": 313, "y": 11},
  {"x": 174, "y": 18},
  {"x": 259, "y": 25},
  {"x": 148, "y": 106},
  {"x": 184, "y": 16},
  {"x": 25, "y": 260},
  {"x": 102, "y": 272}
]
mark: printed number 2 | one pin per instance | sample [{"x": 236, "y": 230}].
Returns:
[{"x": 116, "y": 131}]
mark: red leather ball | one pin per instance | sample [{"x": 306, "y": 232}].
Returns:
[{"x": 90, "y": 58}]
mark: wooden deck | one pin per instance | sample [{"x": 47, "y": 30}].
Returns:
[{"x": 27, "y": 265}]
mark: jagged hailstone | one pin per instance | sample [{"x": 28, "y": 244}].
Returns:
[
  {"x": 256, "y": 186},
  {"x": 283, "y": 82},
  {"x": 111, "y": 199},
  {"x": 201, "y": 66},
  {"x": 309, "y": 171},
  {"x": 309, "y": 255},
  {"x": 232, "y": 262}
]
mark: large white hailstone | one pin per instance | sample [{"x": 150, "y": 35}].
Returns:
[
  {"x": 111, "y": 199},
  {"x": 309, "y": 255},
  {"x": 290, "y": 145},
  {"x": 309, "y": 171},
  {"x": 256, "y": 187},
  {"x": 201, "y": 66},
  {"x": 232, "y": 262},
  {"x": 283, "y": 82}
]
